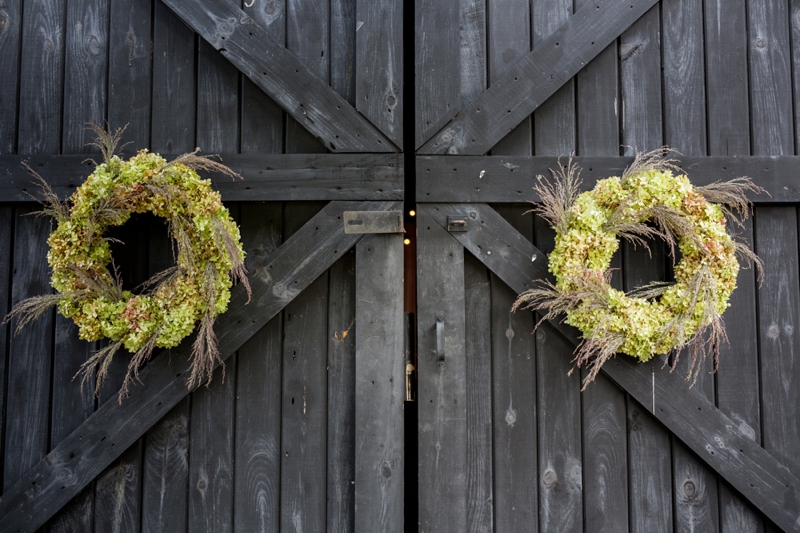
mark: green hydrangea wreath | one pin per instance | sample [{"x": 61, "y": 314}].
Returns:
[
  {"x": 208, "y": 255},
  {"x": 649, "y": 200}
]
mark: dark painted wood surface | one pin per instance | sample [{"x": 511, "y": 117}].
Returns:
[{"x": 266, "y": 177}]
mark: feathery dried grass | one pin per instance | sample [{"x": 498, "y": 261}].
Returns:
[
  {"x": 106, "y": 140},
  {"x": 557, "y": 195},
  {"x": 205, "y": 350},
  {"x": 228, "y": 244},
  {"x": 31, "y": 309},
  {"x": 97, "y": 365},
  {"x": 732, "y": 196},
  {"x": 595, "y": 350},
  {"x": 202, "y": 163},
  {"x": 138, "y": 360},
  {"x": 52, "y": 206},
  {"x": 742, "y": 249},
  {"x": 657, "y": 160},
  {"x": 651, "y": 291}
]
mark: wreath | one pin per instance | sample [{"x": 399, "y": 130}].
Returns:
[
  {"x": 650, "y": 200},
  {"x": 207, "y": 249}
]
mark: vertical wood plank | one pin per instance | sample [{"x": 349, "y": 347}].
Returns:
[
  {"x": 30, "y": 353},
  {"x": 649, "y": 453},
  {"x": 173, "y": 128},
  {"x": 380, "y": 384},
  {"x": 770, "y": 78},
  {"x": 478, "y": 325},
  {"x": 778, "y": 308},
  {"x": 640, "y": 84},
  {"x": 515, "y": 443},
  {"x": 262, "y": 119},
  {"x": 85, "y": 73},
  {"x": 436, "y": 56},
  {"x": 6, "y": 243},
  {"x": 794, "y": 7},
  {"x": 41, "y": 77},
  {"x": 10, "y": 40},
  {"x": 441, "y": 385},
  {"x": 130, "y": 71},
  {"x": 342, "y": 395},
  {"x": 729, "y": 134},
  {"x": 258, "y": 391},
  {"x": 307, "y": 37},
  {"x": 166, "y": 453},
  {"x": 472, "y": 56},
  {"x": 217, "y": 101},
  {"x": 559, "y": 403},
  {"x": 695, "y": 498},
  {"x": 379, "y": 65},
  {"x": 509, "y": 39},
  {"x": 343, "y": 48},
  {"x": 211, "y": 453},
  {"x": 554, "y": 121},
  {"x": 304, "y": 397}
]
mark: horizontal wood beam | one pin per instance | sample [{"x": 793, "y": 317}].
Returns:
[
  {"x": 536, "y": 77},
  {"x": 271, "y": 177},
  {"x": 282, "y": 75},
  {"x": 769, "y": 484},
  {"x": 511, "y": 178},
  {"x": 82, "y": 456}
]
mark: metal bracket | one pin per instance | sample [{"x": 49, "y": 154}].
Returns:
[
  {"x": 456, "y": 223},
  {"x": 439, "y": 338},
  {"x": 361, "y": 222}
]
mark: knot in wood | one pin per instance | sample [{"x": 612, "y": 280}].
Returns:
[
  {"x": 761, "y": 42},
  {"x": 549, "y": 478},
  {"x": 689, "y": 489}
]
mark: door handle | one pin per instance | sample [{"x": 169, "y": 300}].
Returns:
[{"x": 439, "y": 338}]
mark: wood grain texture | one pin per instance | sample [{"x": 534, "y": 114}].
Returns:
[
  {"x": 436, "y": 56},
  {"x": 174, "y": 73},
  {"x": 6, "y": 243},
  {"x": 113, "y": 427},
  {"x": 342, "y": 388},
  {"x": 488, "y": 119},
  {"x": 85, "y": 72},
  {"x": 267, "y": 177},
  {"x": 288, "y": 79},
  {"x": 258, "y": 392},
  {"x": 765, "y": 479},
  {"x": 770, "y": 78},
  {"x": 380, "y": 384},
  {"x": 794, "y": 12},
  {"x": 41, "y": 74},
  {"x": 511, "y": 178},
  {"x": 29, "y": 354},
  {"x": 561, "y": 501},
  {"x": 10, "y": 42},
  {"x": 343, "y": 48},
  {"x": 472, "y": 54},
  {"x": 379, "y": 66},
  {"x": 262, "y": 119},
  {"x": 441, "y": 385},
  {"x": 514, "y": 414},
  {"x": 778, "y": 308},
  {"x": 217, "y": 101},
  {"x": 477, "y": 327},
  {"x": 130, "y": 71}
]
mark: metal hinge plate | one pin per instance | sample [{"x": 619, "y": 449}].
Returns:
[{"x": 361, "y": 222}]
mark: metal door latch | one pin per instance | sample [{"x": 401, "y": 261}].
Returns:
[
  {"x": 456, "y": 223},
  {"x": 439, "y": 338},
  {"x": 361, "y": 222}
]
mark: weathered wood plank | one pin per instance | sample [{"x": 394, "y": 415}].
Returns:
[
  {"x": 262, "y": 119},
  {"x": 515, "y": 442},
  {"x": 560, "y": 453},
  {"x": 113, "y": 427},
  {"x": 343, "y": 48},
  {"x": 380, "y": 384},
  {"x": 441, "y": 385},
  {"x": 304, "y": 396},
  {"x": 765, "y": 479},
  {"x": 6, "y": 243},
  {"x": 778, "y": 311},
  {"x": 283, "y": 76},
  {"x": 379, "y": 66},
  {"x": 174, "y": 73},
  {"x": 41, "y": 74},
  {"x": 477, "y": 327},
  {"x": 511, "y": 178},
  {"x": 267, "y": 177},
  {"x": 769, "y": 53},
  {"x": 217, "y": 102},
  {"x": 85, "y": 73},
  {"x": 130, "y": 71},
  {"x": 436, "y": 56},
  {"x": 10, "y": 41},
  {"x": 29, "y": 354},
  {"x": 258, "y": 393},
  {"x": 342, "y": 394},
  {"x": 568, "y": 49}
]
